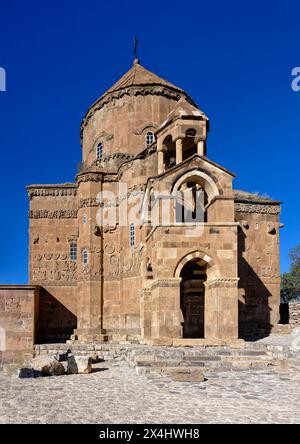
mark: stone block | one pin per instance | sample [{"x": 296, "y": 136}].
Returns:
[
  {"x": 47, "y": 366},
  {"x": 186, "y": 375},
  {"x": 79, "y": 364}
]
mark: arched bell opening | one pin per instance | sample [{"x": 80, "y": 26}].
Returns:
[
  {"x": 193, "y": 192},
  {"x": 189, "y": 147},
  {"x": 169, "y": 153},
  {"x": 191, "y": 201}
]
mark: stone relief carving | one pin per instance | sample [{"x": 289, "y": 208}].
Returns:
[
  {"x": 126, "y": 166},
  {"x": 111, "y": 177},
  {"x": 133, "y": 191},
  {"x": 114, "y": 265},
  {"x": 257, "y": 208},
  {"x": 12, "y": 304},
  {"x": 52, "y": 267},
  {"x": 109, "y": 249},
  {"x": 72, "y": 237},
  {"x": 88, "y": 202},
  {"x": 118, "y": 263},
  {"x": 55, "y": 214},
  {"x": 35, "y": 238},
  {"x": 89, "y": 177},
  {"x": 55, "y": 268},
  {"x": 39, "y": 275},
  {"x": 110, "y": 228}
]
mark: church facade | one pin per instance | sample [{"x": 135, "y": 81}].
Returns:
[{"x": 151, "y": 242}]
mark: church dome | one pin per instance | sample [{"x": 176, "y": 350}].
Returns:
[{"x": 136, "y": 105}]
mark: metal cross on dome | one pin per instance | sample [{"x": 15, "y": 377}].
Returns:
[{"x": 135, "y": 50}]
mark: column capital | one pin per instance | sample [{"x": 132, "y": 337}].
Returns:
[
  {"x": 177, "y": 138},
  {"x": 200, "y": 138}
]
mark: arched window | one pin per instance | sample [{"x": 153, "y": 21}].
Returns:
[
  {"x": 150, "y": 138},
  {"x": 73, "y": 251},
  {"x": 132, "y": 235},
  {"x": 100, "y": 151},
  {"x": 84, "y": 219},
  {"x": 85, "y": 257}
]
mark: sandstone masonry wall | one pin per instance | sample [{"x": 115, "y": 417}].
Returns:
[
  {"x": 18, "y": 318},
  {"x": 294, "y": 310}
]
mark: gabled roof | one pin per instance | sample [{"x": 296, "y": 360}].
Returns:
[{"x": 183, "y": 109}]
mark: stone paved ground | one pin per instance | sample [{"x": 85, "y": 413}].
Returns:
[{"x": 118, "y": 395}]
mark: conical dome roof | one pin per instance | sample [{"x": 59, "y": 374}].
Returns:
[{"x": 138, "y": 75}]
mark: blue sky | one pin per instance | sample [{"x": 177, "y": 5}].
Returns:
[{"x": 234, "y": 58}]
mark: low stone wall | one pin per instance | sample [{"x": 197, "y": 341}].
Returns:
[
  {"x": 294, "y": 313},
  {"x": 18, "y": 320},
  {"x": 147, "y": 358}
]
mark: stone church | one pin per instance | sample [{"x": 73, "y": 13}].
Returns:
[{"x": 151, "y": 242}]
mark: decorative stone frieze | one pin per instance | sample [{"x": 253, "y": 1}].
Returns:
[
  {"x": 56, "y": 191},
  {"x": 256, "y": 208},
  {"x": 171, "y": 282},
  {"x": 55, "y": 214},
  {"x": 57, "y": 271},
  {"x": 132, "y": 191},
  {"x": 88, "y": 202},
  {"x": 89, "y": 177},
  {"x": 220, "y": 282}
]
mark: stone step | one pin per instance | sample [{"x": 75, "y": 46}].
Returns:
[
  {"x": 144, "y": 368},
  {"x": 207, "y": 362},
  {"x": 147, "y": 358},
  {"x": 202, "y": 358}
]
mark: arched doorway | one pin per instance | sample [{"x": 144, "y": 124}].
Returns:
[{"x": 192, "y": 298}]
